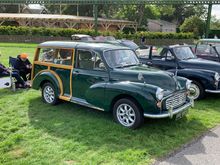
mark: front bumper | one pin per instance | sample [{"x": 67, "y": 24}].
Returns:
[
  {"x": 212, "y": 91},
  {"x": 171, "y": 112}
]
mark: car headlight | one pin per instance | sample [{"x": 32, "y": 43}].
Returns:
[
  {"x": 159, "y": 93},
  {"x": 188, "y": 84},
  {"x": 217, "y": 76}
]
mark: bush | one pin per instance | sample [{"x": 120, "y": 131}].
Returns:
[
  {"x": 193, "y": 24},
  {"x": 63, "y": 32}
]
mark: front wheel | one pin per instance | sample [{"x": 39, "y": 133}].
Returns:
[
  {"x": 127, "y": 113},
  {"x": 49, "y": 94},
  {"x": 196, "y": 90}
]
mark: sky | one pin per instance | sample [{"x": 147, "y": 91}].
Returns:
[{"x": 216, "y": 11}]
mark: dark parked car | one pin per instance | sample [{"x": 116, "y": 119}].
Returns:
[
  {"x": 208, "y": 49},
  {"x": 108, "y": 78},
  {"x": 181, "y": 61}
]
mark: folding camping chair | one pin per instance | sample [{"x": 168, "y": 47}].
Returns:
[{"x": 12, "y": 61}]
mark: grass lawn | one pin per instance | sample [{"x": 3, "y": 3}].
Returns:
[{"x": 32, "y": 132}]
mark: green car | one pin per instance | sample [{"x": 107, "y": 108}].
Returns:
[{"x": 110, "y": 78}]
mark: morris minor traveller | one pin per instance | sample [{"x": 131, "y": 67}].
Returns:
[{"x": 108, "y": 77}]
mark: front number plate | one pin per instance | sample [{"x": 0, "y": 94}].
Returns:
[{"x": 181, "y": 114}]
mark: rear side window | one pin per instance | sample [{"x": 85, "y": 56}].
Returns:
[{"x": 56, "y": 56}]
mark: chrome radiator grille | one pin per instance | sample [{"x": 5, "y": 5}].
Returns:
[{"x": 176, "y": 100}]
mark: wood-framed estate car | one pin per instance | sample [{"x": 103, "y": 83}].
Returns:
[
  {"x": 109, "y": 78},
  {"x": 208, "y": 49},
  {"x": 179, "y": 59}
]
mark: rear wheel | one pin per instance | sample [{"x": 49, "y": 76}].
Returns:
[
  {"x": 127, "y": 113},
  {"x": 49, "y": 95},
  {"x": 197, "y": 91}
]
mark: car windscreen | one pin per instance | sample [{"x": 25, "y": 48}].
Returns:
[
  {"x": 183, "y": 53},
  {"x": 121, "y": 58},
  {"x": 129, "y": 44}
]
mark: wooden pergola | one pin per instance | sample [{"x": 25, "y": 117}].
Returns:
[
  {"x": 65, "y": 21},
  {"x": 95, "y": 3}
]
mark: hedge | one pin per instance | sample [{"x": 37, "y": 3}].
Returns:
[
  {"x": 214, "y": 33},
  {"x": 63, "y": 32}
]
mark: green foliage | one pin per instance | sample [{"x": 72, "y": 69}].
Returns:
[
  {"x": 193, "y": 24},
  {"x": 63, "y": 32},
  {"x": 215, "y": 23},
  {"x": 214, "y": 33}
]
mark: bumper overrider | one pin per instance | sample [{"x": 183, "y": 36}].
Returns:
[
  {"x": 172, "y": 111},
  {"x": 217, "y": 90}
]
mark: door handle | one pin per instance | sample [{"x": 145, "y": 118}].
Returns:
[
  {"x": 76, "y": 72},
  {"x": 149, "y": 63}
]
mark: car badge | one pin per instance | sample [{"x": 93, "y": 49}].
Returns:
[{"x": 140, "y": 77}]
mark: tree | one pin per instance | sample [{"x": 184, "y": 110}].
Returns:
[
  {"x": 181, "y": 12},
  {"x": 9, "y": 9},
  {"x": 193, "y": 24},
  {"x": 215, "y": 23},
  {"x": 138, "y": 13}
]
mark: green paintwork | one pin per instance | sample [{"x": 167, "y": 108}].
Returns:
[
  {"x": 116, "y": 2},
  {"x": 46, "y": 77},
  {"x": 208, "y": 21},
  {"x": 64, "y": 75},
  {"x": 207, "y": 40},
  {"x": 101, "y": 88}
]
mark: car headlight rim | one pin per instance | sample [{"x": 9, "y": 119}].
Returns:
[
  {"x": 188, "y": 84},
  {"x": 217, "y": 76},
  {"x": 159, "y": 94}
]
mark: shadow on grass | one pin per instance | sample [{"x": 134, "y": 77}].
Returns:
[{"x": 96, "y": 129}]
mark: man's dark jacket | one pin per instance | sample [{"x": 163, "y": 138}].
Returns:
[{"x": 21, "y": 65}]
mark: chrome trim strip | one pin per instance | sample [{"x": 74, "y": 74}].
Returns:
[
  {"x": 170, "y": 113},
  {"x": 212, "y": 91},
  {"x": 84, "y": 103}
]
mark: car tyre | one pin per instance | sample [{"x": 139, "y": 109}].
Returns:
[
  {"x": 197, "y": 91},
  {"x": 127, "y": 113},
  {"x": 49, "y": 95}
]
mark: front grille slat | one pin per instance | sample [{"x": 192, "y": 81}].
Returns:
[{"x": 176, "y": 100}]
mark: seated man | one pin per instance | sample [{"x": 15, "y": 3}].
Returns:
[
  {"x": 23, "y": 65},
  {"x": 5, "y": 72}
]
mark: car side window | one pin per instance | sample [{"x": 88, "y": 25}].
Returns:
[
  {"x": 47, "y": 55},
  {"x": 56, "y": 56},
  {"x": 158, "y": 53},
  {"x": 89, "y": 60},
  {"x": 169, "y": 56},
  {"x": 205, "y": 50}
]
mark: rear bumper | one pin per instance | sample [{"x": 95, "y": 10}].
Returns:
[{"x": 171, "y": 111}]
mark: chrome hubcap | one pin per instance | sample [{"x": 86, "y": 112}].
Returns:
[
  {"x": 126, "y": 115},
  {"x": 49, "y": 94},
  {"x": 194, "y": 91}
]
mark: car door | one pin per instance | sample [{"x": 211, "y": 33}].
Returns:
[
  {"x": 59, "y": 62},
  {"x": 165, "y": 61},
  {"x": 89, "y": 70}
]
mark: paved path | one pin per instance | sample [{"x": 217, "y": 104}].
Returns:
[{"x": 206, "y": 151}]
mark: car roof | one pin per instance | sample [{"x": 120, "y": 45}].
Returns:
[
  {"x": 80, "y": 35},
  {"x": 210, "y": 40},
  {"x": 80, "y": 45}
]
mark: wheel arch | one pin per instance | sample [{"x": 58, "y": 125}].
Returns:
[
  {"x": 48, "y": 76},
  {"x": 127, "y": 96}
]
